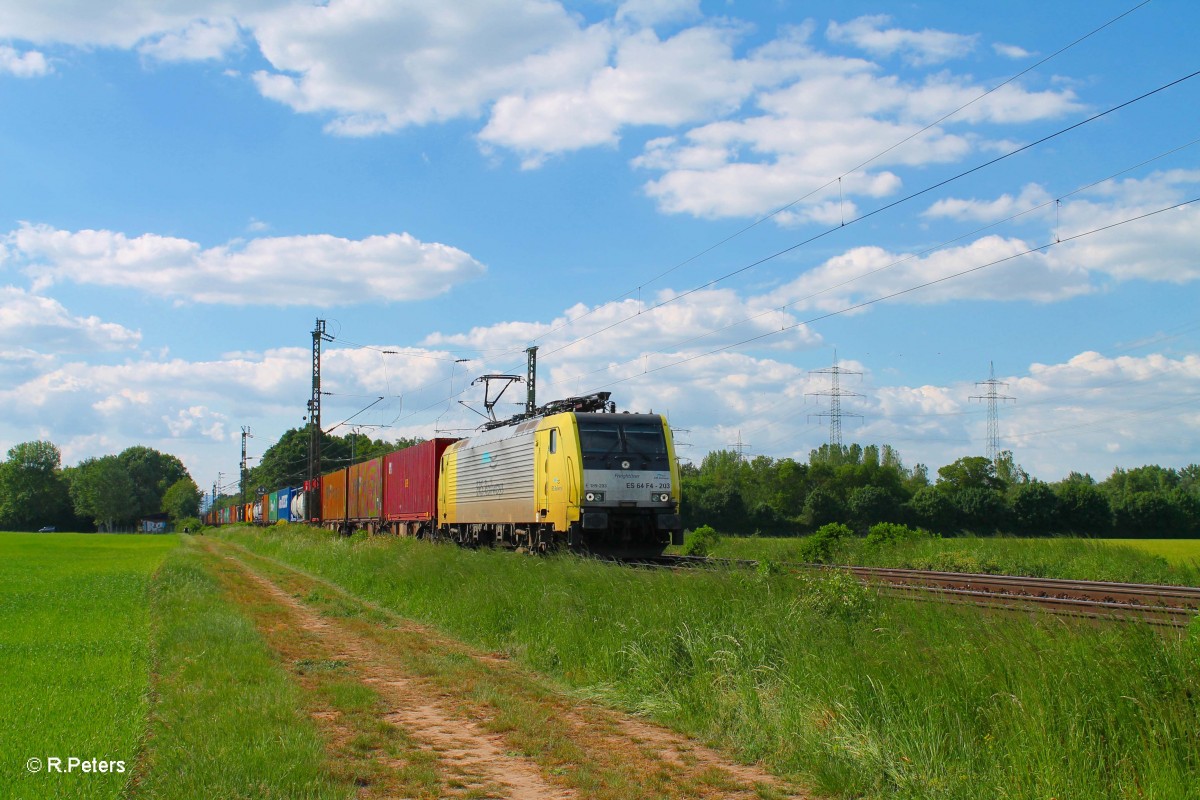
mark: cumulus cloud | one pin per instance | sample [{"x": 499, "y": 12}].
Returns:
[
  {"x": 1012, "y": 50},
  {"x": 200, "y": 40},
  {"x": 917, "y": 47},
  {"x": 294, "y": 270},
  {"x": 1158, "y": 248},
  {"x": 34, "y": 323},
  {"x": 379, "y": 67},
  {"x": 543, "y": 81},
  {"x": 125, "y": 24},
  {"x": 1004, "y": 206},
  {"x": 30, "y": 64},
  {"x": 838, "y": 115}
]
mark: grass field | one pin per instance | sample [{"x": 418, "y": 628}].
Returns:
[
  {"x": 1167, "y": 561},
  {"x": 1181, "y": 552},
  {"x": 138, "y": 649},
  {"x": 228, "y": 722},
  {"x": 75, "y": 658},
  {"x": 856, "y": 695}
]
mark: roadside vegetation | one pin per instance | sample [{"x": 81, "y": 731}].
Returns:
[
  {"x": 75, "y": 657},
  {"x": 855, "y": 694}
]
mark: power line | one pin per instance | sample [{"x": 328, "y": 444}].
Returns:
[
  {"x": 897, "y": 262},
  {"x": 910, "y": 289},
  {"x": 879, "y": 210},
  {"x": 850, "y": 171}
]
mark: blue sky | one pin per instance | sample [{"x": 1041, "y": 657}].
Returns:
[{"x": 185, "y": 191}]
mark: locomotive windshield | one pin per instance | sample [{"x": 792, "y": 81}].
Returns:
[{"x": 610, "y": 440}]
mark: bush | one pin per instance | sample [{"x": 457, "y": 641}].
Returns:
[
  {"x": 189, "y": 524},
  {"x": 701, "y": 542},
  {"x": 822, "y": 545},
  {"x": 886, "y": 533}
]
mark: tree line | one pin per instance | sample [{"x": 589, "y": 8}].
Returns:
[
  {"x": 861, "y": 486},
  {"x": 104, "y": 493}
]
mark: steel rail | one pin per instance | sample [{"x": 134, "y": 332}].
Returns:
[{"x": 1156, "y": 604}]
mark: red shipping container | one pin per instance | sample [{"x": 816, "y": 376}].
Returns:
[
  {"x": 365, "y": 491},
  {"x": 410, "y": 481},
  {"x": 333, "y": 498}
]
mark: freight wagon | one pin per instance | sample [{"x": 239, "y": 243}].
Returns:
[{"x": 394, "y": 493}]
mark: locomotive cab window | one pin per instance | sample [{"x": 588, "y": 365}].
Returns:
[
  {"x": 554, "y": 440},
  {"x": 612, "y": 441}
]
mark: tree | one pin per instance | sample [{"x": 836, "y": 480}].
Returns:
[
  {"x": 968, "y": 472},
  {"x": 182, "y": 499},
  {"x": 1083, "y": 508},
  {"x": 152, "y": 473},
  {"x": 1035, "y": 508},
  {"x": 980, "y": 510},
  {"x": 32, "y": 493},
  {"x": 932, "y": 509},
  {"x": 103, "y": 491},
  {"x": 822, "y": 507},
  {"x": 871, "y": 504}
]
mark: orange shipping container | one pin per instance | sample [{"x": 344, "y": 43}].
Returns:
[
  {"x": 333, "y": 499},
  {"x": 365, "y": 491}
]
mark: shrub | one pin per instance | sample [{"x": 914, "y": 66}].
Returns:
[
  {"x": 886, "y": 533},
  {"x": 189, "y": 524},
  {"x": 701, "y": 542},
  {"x": 822, "y": 545}
]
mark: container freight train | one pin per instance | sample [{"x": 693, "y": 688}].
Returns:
[{"x": 593, "y": 480}]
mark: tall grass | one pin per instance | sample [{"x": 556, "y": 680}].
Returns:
[
  {"x": 860, "y": 695},
  {"x": 74, "y": 657},
  {"x": 227, "y": 721},
  {"x": 1072, "y": 558}
]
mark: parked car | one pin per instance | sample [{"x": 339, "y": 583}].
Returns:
[{"x": 47, "y": 529}]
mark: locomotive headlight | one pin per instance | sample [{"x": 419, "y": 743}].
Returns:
[
  {"x": 660, "y": 497},
  {"x": 594, "y": 497}
]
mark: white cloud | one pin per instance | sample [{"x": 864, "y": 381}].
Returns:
[
  {"x": 1012, "y": 51},
  {"x": 200, "y": 40},
  {"x": 378, "y": 67},
  {"x": 30, "y": 64},
  {"x": 124, "y": 24},
  {"x": 689, "y": 77},
  {"x": 839, "y": 114},
  {"x": 316, "y": 269},
  {"x": 917, "y": 47},
  {"x": 1031, "y": 196},
  {"x": 44, "y": 325},
  {"x": 653, "y": 12}
]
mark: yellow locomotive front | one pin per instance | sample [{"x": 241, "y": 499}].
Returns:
[{"x": 600, "y": 482}]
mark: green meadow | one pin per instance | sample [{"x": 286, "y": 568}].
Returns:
[
  {"x": 1181, "y": 552},
  {"x": 75, "y": 659},
  {"x": 855, "y": 694}
]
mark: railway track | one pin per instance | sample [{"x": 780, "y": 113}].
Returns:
[{"x": 1171, "y": 606}]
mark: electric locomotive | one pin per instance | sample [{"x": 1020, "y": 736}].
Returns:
[{"x": 575, "y": 473}]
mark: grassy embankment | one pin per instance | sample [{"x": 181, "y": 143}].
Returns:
[
  {"x": 859, "y": 695},
  {"x": 75, "y": 658},
  {"x": 1126, "y": 560}
]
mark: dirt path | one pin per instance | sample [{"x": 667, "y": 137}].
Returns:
[{"x": 411, "y": 713}]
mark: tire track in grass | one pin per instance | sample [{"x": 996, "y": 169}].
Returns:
[
  {"x": 488, "y": 712},
  {"x": 468, "y": 760}
]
